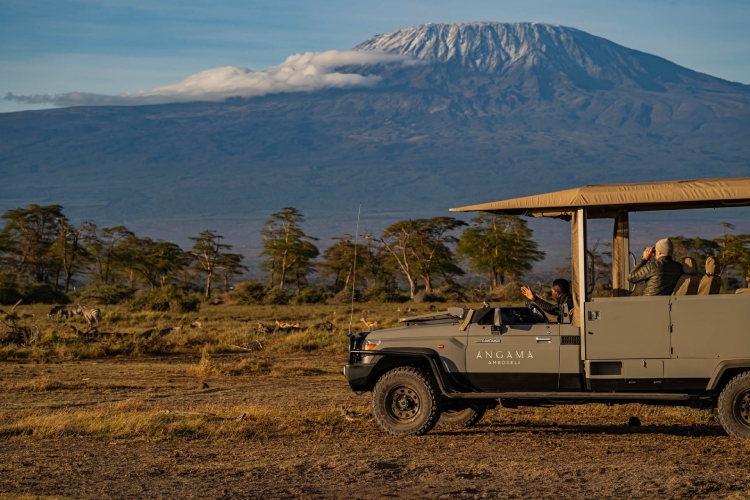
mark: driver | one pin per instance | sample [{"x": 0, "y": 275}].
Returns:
[{"x": 560, "y": 293}]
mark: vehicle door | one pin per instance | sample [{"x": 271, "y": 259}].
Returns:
[
  {"x": 627, "y": 340},
  {"x": 518, "y": 355}
]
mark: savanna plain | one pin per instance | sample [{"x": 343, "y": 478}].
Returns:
[{"x": 222, "y": 403}]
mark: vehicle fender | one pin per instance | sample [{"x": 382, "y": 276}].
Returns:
[
  {"x": 394, "y": 357},
  {"x": 723, "y": 367}
]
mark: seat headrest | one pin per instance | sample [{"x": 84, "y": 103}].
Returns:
[
  {"x": 712, "y": 267},
  {"x": 689, "y": 266}
]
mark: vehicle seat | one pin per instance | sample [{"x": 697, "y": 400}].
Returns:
[
  {"x": 689, "y": 281},
  {"x": 710, "y": 283}
]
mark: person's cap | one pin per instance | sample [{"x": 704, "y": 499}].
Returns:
[{"x": 665, "y": 246}]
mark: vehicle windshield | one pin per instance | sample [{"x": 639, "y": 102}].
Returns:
[{"x": 509, "y": 315}]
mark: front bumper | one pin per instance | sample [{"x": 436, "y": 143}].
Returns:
[{"x": 358, "y": 375}]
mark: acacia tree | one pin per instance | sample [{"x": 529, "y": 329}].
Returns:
[
  {"x": 500, "y": 245},
  {"x": 396, "y": 240},
  {"x": 208, "y": 251},
  {"x": 304, "y": 264},
  {"x": 419, "y": 248},
  {"x": 69, "y": 249},
  {"x": 108, "y": 250},
  {"x": 155, "y": 261},
  {"x": 339, "y": 261},
  {"x": 186, "y": 273},
  {"x": 430, "y": 251},
  {"x": 31, "y": 232},
  {"x": 168, "y": 260},
  {"x": 229, "y": 265},
  {"x": 379, "y": 267},
  {"x": 288, "y": 250}
]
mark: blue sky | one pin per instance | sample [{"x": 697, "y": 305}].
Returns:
[{"x": 113, "y": 46}]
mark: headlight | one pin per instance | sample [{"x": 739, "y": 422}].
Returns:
[{"x": 370, "y": 345}]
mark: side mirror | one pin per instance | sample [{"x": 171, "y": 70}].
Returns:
[{"x": 565, "y": 316}]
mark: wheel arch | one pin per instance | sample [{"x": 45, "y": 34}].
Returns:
[
  {"x": 726, "y": 371},
  {"x": 422, "y": 358}
]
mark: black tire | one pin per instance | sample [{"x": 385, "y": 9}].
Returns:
[
  {"x": 465, "y": 417},
  {"x": 405, "y": 402},
  {"x": 734, "y": 407}
]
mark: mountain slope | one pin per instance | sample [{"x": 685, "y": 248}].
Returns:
[{"x": 495, "y": 110}]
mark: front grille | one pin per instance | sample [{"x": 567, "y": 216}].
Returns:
[{"x": 570, "y": 340}]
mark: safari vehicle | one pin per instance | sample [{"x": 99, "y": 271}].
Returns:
[{"x": 679, "y": 350}]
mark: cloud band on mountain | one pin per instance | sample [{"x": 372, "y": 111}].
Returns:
[{"x": 299, "y": 73}]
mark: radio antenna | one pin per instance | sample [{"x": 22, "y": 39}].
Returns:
[{"x": 354, "y": 268}]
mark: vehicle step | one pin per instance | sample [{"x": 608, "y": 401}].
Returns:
[{"x": 575, "y": 395}]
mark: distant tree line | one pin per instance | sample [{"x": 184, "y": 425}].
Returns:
[
  {"x": 43, "y": 256},
  {"x": 731, "y": 251},
  {"x": 420, "y": 253}
]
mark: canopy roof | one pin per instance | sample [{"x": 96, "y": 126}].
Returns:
[{"x": 637, "y": 197}]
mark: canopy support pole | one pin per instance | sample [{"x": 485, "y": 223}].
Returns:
[
  {"x": 620, "y": 255},
  {"x": 580, "y": 275},
  {"x": 578, "y": 263}
]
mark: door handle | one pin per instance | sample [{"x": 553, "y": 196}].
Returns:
[{"x": 544, "y": 339}]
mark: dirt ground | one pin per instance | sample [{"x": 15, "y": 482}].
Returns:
[{"x": 562, "y": 452}]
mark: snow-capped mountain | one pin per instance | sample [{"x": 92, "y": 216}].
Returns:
[
  {"x": 493, "y": 47},
  {"x": 492, "y": 110},
  {"x": 558, "y": 53}
]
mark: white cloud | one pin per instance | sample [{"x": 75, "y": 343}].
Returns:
[{"x": 299, "y": 73}]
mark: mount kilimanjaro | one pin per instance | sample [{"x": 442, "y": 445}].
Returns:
[{"x": 487, "y": 110}]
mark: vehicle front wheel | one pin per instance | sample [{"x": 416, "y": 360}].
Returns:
[
  {"x": 734, "y": 407},
  {"x": 405, "y": 402},
  {"x": 465, "y": 417}
]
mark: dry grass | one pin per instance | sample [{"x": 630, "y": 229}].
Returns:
[
  {"x": 136, "y": 419},
  {"x": 226, "y": 328},
  {"x": 264, "y": 365},
  {"x": 228, "y": 350},
  {"x": 139, "y": 420}
]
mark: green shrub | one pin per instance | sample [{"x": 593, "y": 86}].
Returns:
[
  {"x": 381, "y": 293},
  {"x": 313, "y": 295},
  {"x": 109, "y": 294},
  {"x": 249, "y": 293},
  {"x": 345, "y": 297},
  {"x": 165, "y": 299},
  {"x": 42, "y": 293},
  {"x": 276, "y": 297},
  {"x": 452, "y": 292},
  {"x": 187, "y": 303},
  {"x": 9, "y": 293},
  {"x": 423, "y": 296}
]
